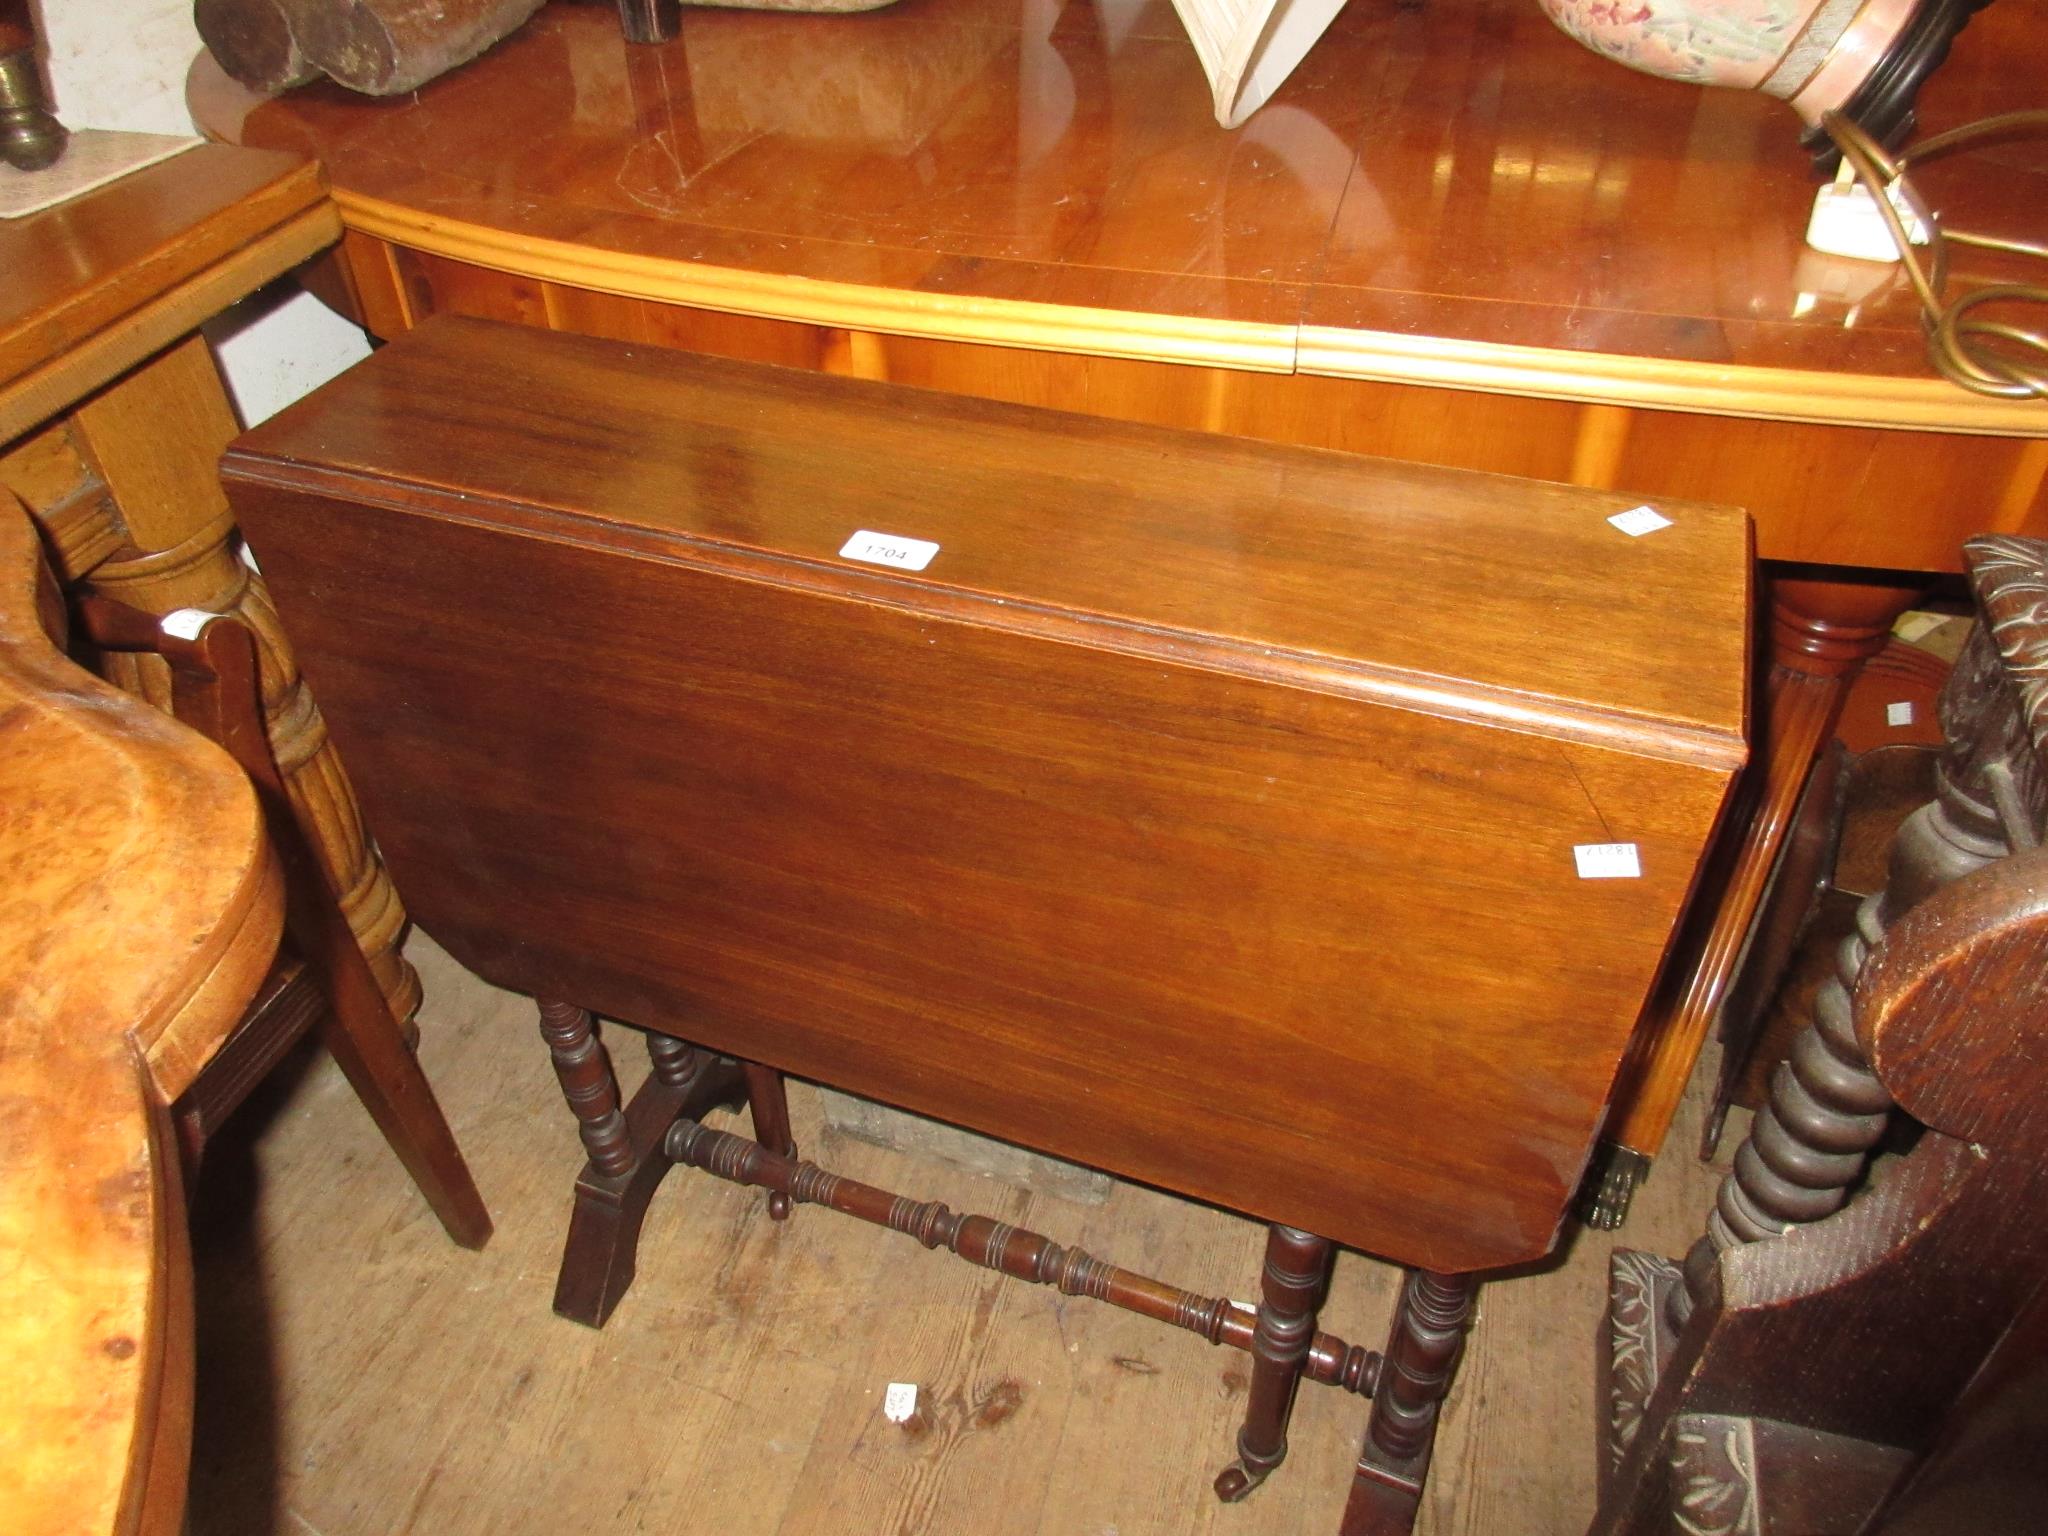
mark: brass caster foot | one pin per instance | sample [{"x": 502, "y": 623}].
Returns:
[
  {"x": 1235, "y": 1482},
  {"x": 1611, "y": 1181}
]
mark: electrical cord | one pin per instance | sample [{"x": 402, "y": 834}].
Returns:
[{"x": 1987, "y": 355}]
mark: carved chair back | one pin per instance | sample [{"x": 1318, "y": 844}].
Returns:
[{"x": 1820, "y": 1335}]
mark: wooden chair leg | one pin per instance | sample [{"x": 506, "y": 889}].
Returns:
[
  {"x": 1291, "y": 1293},
  {"x": 214, "y": 688},
  {"x": 368, "y": 1042},
  {"x": 1422, "y": 1356},
  {"x": 768, "y": 1104},
  {"x": 600, "y": 1256}
]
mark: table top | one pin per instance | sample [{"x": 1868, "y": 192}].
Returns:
[
  {"x": 1457, "y": 194},
  {"x": 1110, "y": 817},
  {"x": 1192, "y": 548},
  {"x": 96, "y": 284},
  {"x": 140, "y": 912}
]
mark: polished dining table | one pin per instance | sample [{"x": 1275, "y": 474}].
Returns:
[{"x": 1453, "y": 237}]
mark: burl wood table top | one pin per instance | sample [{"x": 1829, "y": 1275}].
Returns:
[
  {"x": 1126, "y": 829},
  {"x": 1454, "y": 194}
]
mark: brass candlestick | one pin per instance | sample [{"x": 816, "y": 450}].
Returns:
[{"x": 30, "y": 138}]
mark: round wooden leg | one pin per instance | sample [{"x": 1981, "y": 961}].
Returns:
[
  {"x": 1821, "y": 633},
  {"x": 1291, "y": 1290},
  {"x": 585, "y": 1070}
]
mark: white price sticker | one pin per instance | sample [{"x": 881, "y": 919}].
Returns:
[
  {"x": 1637, "y": 521},
  {"x": 899, "y": 1402},
  {"x": 185, "y": 623},
  {"x": 1900, "y": 713},
  {"x": 1608, "y": 861},
  {"x": 889, "y": 549}
]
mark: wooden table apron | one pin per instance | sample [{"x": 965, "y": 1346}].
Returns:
[
  {"x": 1455, "y": 237},
  {"x": 1134, "y": 830}
]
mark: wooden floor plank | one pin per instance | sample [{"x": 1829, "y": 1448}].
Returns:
[{"x": 361, "y": 1377}]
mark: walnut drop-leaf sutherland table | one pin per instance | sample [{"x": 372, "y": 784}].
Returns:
[
  {"x": 1069, "y": 779},
  {"x": 1454, "y": 237}
]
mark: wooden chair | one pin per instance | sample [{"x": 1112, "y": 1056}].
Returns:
[
  {"x": 1869, "y": 1296},
  {"x": 140, "y": 909},
  {"x": 323, "y": 978}
]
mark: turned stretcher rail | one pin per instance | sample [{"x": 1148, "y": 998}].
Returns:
[{"x": 1011, "y": 1250}]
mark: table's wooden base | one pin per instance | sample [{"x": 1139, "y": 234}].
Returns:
[
  {"x": 612, "y": 1192},
  {"x": 632, "y": 1148}
]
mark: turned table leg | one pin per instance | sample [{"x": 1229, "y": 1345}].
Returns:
[
  {"x": 676, "y": 1062},
  {"x": 627, "y": 1163},
  {"x": 1291, "y": 1292},
  {"x": 584, "y": 1068},
  {"x": 1422, "y": 1356},
  {"x": 650, "y": 21},
  {"x": 153, "y": 440},
  {"x": 1822, "y": 632},
  {"x": 768, "y": 1103}
]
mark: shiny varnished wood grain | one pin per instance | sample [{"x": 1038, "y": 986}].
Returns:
[
  {"x": 1125, "y": 826},
  {"x": 96, "y": 284},
  {"x": 1454, "y": 238},
  {"x": 117, "y": 416},
  {"x": 140, "y": 911},
  {"x": 1433, "y": 185}
]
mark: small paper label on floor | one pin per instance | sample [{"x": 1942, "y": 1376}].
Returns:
[
  {"x": 1637, "y": 521},
  {"x": 900, "y": 1401},
  {"x": 1900, "y": 713},
  {"x": 889, "y": 549},
  {"x": 1608, "y": 861}
]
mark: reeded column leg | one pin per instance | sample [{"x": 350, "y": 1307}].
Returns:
[
  {"x": 650, "y": 21},
  {"x": 1422, "y": 1357},
  {"x": 768, "y": 1103},
  {"x": 214, "y": 690},
  {"x": 154, "y": 440},
  {"x": 1290, "y": 1294}
]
